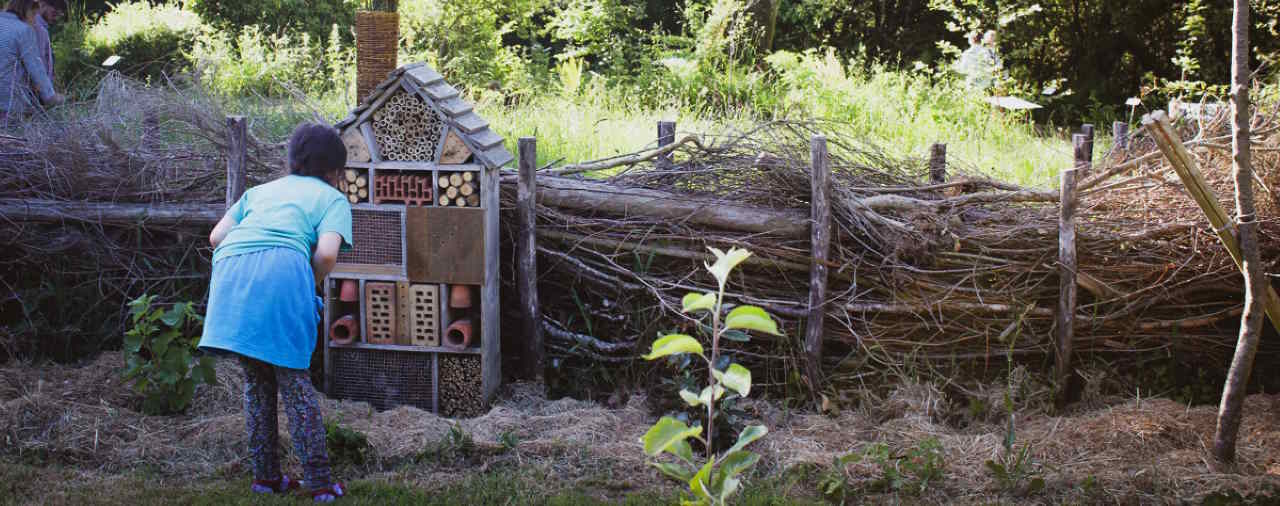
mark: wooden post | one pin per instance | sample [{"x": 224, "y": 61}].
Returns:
[
  {"x": 821, "y": 243},
  {"x": 1065, "y": 322},
  {"x": 1087, "y": 130},
  {"x": 237, "y": 157},
  {"x": 527, "y": 257},
  {"x": 1120, "y": 136},
  {"x": 666, "y": 137},
  {"x": 938, "y": 163}
]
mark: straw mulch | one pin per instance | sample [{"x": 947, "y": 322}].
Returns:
[{"x": 1137, "y": 450}]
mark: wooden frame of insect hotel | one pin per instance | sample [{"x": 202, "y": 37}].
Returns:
[{"x": 411, "y": 311}]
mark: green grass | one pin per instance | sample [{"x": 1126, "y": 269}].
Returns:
[
  {"x": 24, "y": 484},
  {"x": 903, "y": 112}
]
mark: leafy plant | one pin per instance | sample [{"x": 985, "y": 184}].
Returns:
[
  {"x": 509, "y": 440},
  {"x": 160, "y": 358},
  {"x": 911, "y": 472},
  {"x": 716, "y": 479},
  {"x": 1014, "y": 468},
  {"x": 346, "y": 446},
  {"x": 453, "y": 445}
]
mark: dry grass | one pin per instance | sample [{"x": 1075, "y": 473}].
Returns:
[{"x": 1138, "y": 451}]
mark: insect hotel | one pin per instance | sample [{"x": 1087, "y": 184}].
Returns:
[{"x": 411, "y": 311}]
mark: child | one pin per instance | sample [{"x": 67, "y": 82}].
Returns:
[{"x": 262, "y": 304}]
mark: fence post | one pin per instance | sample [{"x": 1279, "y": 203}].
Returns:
[
  {"x": 237, "y": 157},
  {"x": 1087, "y": 130},
  {"x": 666, "y": 136},
  {"x": 1065, "y": 324},
  {"x": 1120, "y": 135},
  {"x": 527, "y": 257},
  {"x": 821, "y": 243},
  {"x": 938, "y": 163}
]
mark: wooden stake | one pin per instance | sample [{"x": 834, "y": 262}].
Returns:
[
  {"x": 527, "y": 257},
  {"x": 1188, "y": 171},
  {"x": 237, "y": 158},
  {"x": 821, "y": 243},
  {"x": 666, "y": 136},
  {"x": 938, "y": 163},
  {"x": 1064, "y": 323},
  {"x": 1120, "y": 135},
  {"x": 1230, "y": 411}
]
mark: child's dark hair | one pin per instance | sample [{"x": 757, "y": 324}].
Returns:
[{"x": 316, "y": 150}]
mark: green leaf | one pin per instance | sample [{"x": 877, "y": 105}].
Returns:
[
  {"x": 208, "y": 375},
  {"x": 736, "y": 335},
  {"x": 674, "y": 344},
  {"x": 173, "y": 316},
  {"x": 748, "y": 434},
  {"x": 726, "y": 476},
  {"x": 186, "y": 389},
  {"x": 690, "y": 398},
  {"x": 676, "y": 471},
  {"x": 751, "y": 318},
  {"x": 683, "y": 451},
  {"x": 132, "y": 342},
  {"x": 694, "y": 302},
  {"x": 667, "y": 432},
  {"x": 725, "y": 262},
  {"x": 699, "y": 483},
  {"x": 734, "y": 463},
  {"x": 706, "y": 396},
  {"x": 736, "y": 378}
]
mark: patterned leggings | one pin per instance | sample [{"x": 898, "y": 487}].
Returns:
[{"x": 262, "y": 381}]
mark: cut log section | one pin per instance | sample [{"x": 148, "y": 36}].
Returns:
[
  {"x": 466, "y": 189},
  {"x": 455, "y": 179}
]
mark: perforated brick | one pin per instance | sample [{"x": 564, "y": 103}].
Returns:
[
  {"x": 424, "y": 321},
  {"x": 380, "y": 313}
]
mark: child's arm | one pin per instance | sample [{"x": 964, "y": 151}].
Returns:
[
  {"x": 326, "y": 255},
  {"x": 221, "y": 229}
]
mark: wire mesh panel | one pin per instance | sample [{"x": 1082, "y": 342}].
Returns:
[
  {"x": 377, "y": 237},
  {"x": 383, "y": 378}
]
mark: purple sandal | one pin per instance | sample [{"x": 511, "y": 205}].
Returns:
[
  {"x": 329, "y": 493},
  {"x": 277, "y": 486}
]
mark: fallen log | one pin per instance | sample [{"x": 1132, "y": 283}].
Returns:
[{"x": 19, "y": 210}]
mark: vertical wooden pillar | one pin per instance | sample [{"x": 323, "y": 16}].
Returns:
[
  {"x": 1120, "y": 136},
  {"x": 1065, "y": 324},
  {"x": 938, "y": 163},
  {"x": 1087, "y": 130},
  {"x": 666, "y": 137},
  {"x": 237, "y": 157},
  {"x": 821, "y": 243},
  {"x": 527, "y": 258}
]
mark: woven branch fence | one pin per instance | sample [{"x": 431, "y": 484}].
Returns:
[{"x": 954, "y": 274}]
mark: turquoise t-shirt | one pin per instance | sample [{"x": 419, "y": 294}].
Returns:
[{"x": 290, "y": 212}]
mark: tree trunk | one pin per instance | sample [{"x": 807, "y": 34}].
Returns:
[{"x": 1233, "y": 392}]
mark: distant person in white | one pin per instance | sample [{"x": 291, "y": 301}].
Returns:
[{"x": 980, "y": 64}]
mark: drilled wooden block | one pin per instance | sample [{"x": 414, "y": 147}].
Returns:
[
  {"x": 403, "y": 325},
  {"x": 448, "y": 245},
  {"x": 424, "y": 320},
  {"x": 380, "y": 312},
  {"x": 357, "y": 148}
]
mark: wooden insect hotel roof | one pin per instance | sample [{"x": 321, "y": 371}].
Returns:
[{"x": 415, "y": 116}]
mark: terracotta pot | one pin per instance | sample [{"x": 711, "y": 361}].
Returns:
[
  {"x": 460, "y": 296},
  {"x": 344, "y": 330},
  {"x": 350, "y": 291},
  {"x": 458, "y": 335}
]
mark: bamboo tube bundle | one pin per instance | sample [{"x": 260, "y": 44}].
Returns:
[
  {"x": 460, "y": 189},
  {"x": 406, "y": 128},
  {"x": 461, "y": 393}
]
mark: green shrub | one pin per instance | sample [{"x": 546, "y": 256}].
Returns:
[
  {"x": 160, "y": 355},
  {"x": 150, "y": 39},
  {"x": 346, "y": 446},
  {"x": 463, "y": 39},
  {"x": 295, "y": 17},
  {"x": 258, "y": 62}
]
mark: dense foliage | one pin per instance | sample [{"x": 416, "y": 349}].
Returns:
[{"x": 713, "y": 55}]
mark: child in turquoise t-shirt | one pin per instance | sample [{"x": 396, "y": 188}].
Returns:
[{"x": 271, "y": 249}]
